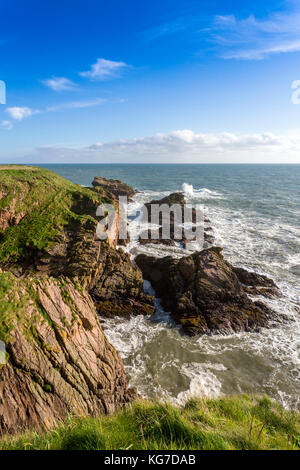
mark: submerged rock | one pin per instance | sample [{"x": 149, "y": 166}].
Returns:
[{"x": 204, "y": 294}]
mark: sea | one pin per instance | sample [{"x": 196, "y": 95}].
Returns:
[{"x": 255, "y": 216}]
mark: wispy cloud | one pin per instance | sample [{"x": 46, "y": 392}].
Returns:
[
  {"x": 7, "y": 125},
  {"x": 104, "y": 69},
  {"x": 183, "y": 146},
  {"x": 76, "y": 105},
  {"x": 233, "y": 37},
  {"x": 171, "y": 28},
  {"x": 19, "y": 113},
  {"x": 59, "y": 84},
  {"x": 254, "y": 39}
]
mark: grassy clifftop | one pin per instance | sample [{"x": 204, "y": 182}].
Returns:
[
  {"x": 238, "y": 422},
  {"x": 35, "y": 205}
]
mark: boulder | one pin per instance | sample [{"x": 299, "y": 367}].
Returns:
[{"x": 203, "y": 293}]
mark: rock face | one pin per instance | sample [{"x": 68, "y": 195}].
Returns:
[
  {"x": 115, "y": 284},
  {"x": 60, "y": 361},
  {"x": 204, "y": 294},
  {"x": 112, "y": 188},
  {"x": 58, "y": 278}
]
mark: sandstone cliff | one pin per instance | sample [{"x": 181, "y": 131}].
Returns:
[
  {"x": 59, "y": 360},
  {"x": 56, "y": 278}
]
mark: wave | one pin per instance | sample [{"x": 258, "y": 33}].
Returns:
[
  {"x": 164, "y": 364},
  {"x": 202, "y": 193}
]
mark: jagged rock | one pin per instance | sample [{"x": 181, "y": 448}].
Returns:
[
  {"x": 203, "y": 293},
  {"x": 173, "y": 198},
  {"x": 59, "y": 360},
  {"x": 114, "y": 283},
  {"x": 112, "y": 188},
  {"x": 257, "y": 284},
  {"x": 65, "y": 221},
  {"x": 175, "y": 220}
]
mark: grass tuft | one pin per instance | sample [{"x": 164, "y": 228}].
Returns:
[{"x": 237, "y": 422}]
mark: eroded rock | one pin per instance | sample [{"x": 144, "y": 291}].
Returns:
[
  {"x": 59, "y": 360},
  {"x": 257, "y": 284},
  {"x": 204, "y": 294},
  {"x": 112, "y": 188}
]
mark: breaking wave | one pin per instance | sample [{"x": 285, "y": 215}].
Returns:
[{"x": 163, "y": 363}]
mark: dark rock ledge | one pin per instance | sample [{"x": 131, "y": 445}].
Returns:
[{"x": 204, "y": 293}]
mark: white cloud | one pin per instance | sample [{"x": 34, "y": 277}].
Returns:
[
  {"x": 19, "y": 113},
  {"x": 59, "y": 83},
  {"x": 183, "y": 146},
  {"x": 6, "y": 125},
  {"x": 233, "y": 37},
  {"x": 77, "y": 104},
  {"x": 255, "y": 39},
  {"x": 104, "y": 69}
]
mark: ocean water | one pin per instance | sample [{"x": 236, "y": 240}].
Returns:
[{"x": 255, "y": 215}]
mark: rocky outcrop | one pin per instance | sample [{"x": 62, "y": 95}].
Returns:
[
  {"x": 112, "y": 188},
  {"x": 114, "y": 283},
  {"x": 58, "y": 278},
  {"x": 59, "y": 360},
  {"x": 257, "y": 284},
  {"x": 204, "y": 294},
  {"x": 65, "y": 221},
  {"x": 174, "y": 221}
]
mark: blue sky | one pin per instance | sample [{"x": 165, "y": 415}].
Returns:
[{"x": 160, "y": 81}]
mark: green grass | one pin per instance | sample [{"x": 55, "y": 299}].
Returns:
[
  {"x": 237, "y": 422},
  {"x": 41, "y": 205}
]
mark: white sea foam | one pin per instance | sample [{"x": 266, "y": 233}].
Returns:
[
  {"x": 202, "y": 193},
  {"x": 161, "y": 362},
  {"x": 188, "y": 189},
  {"x": 203, "y": 381}
]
